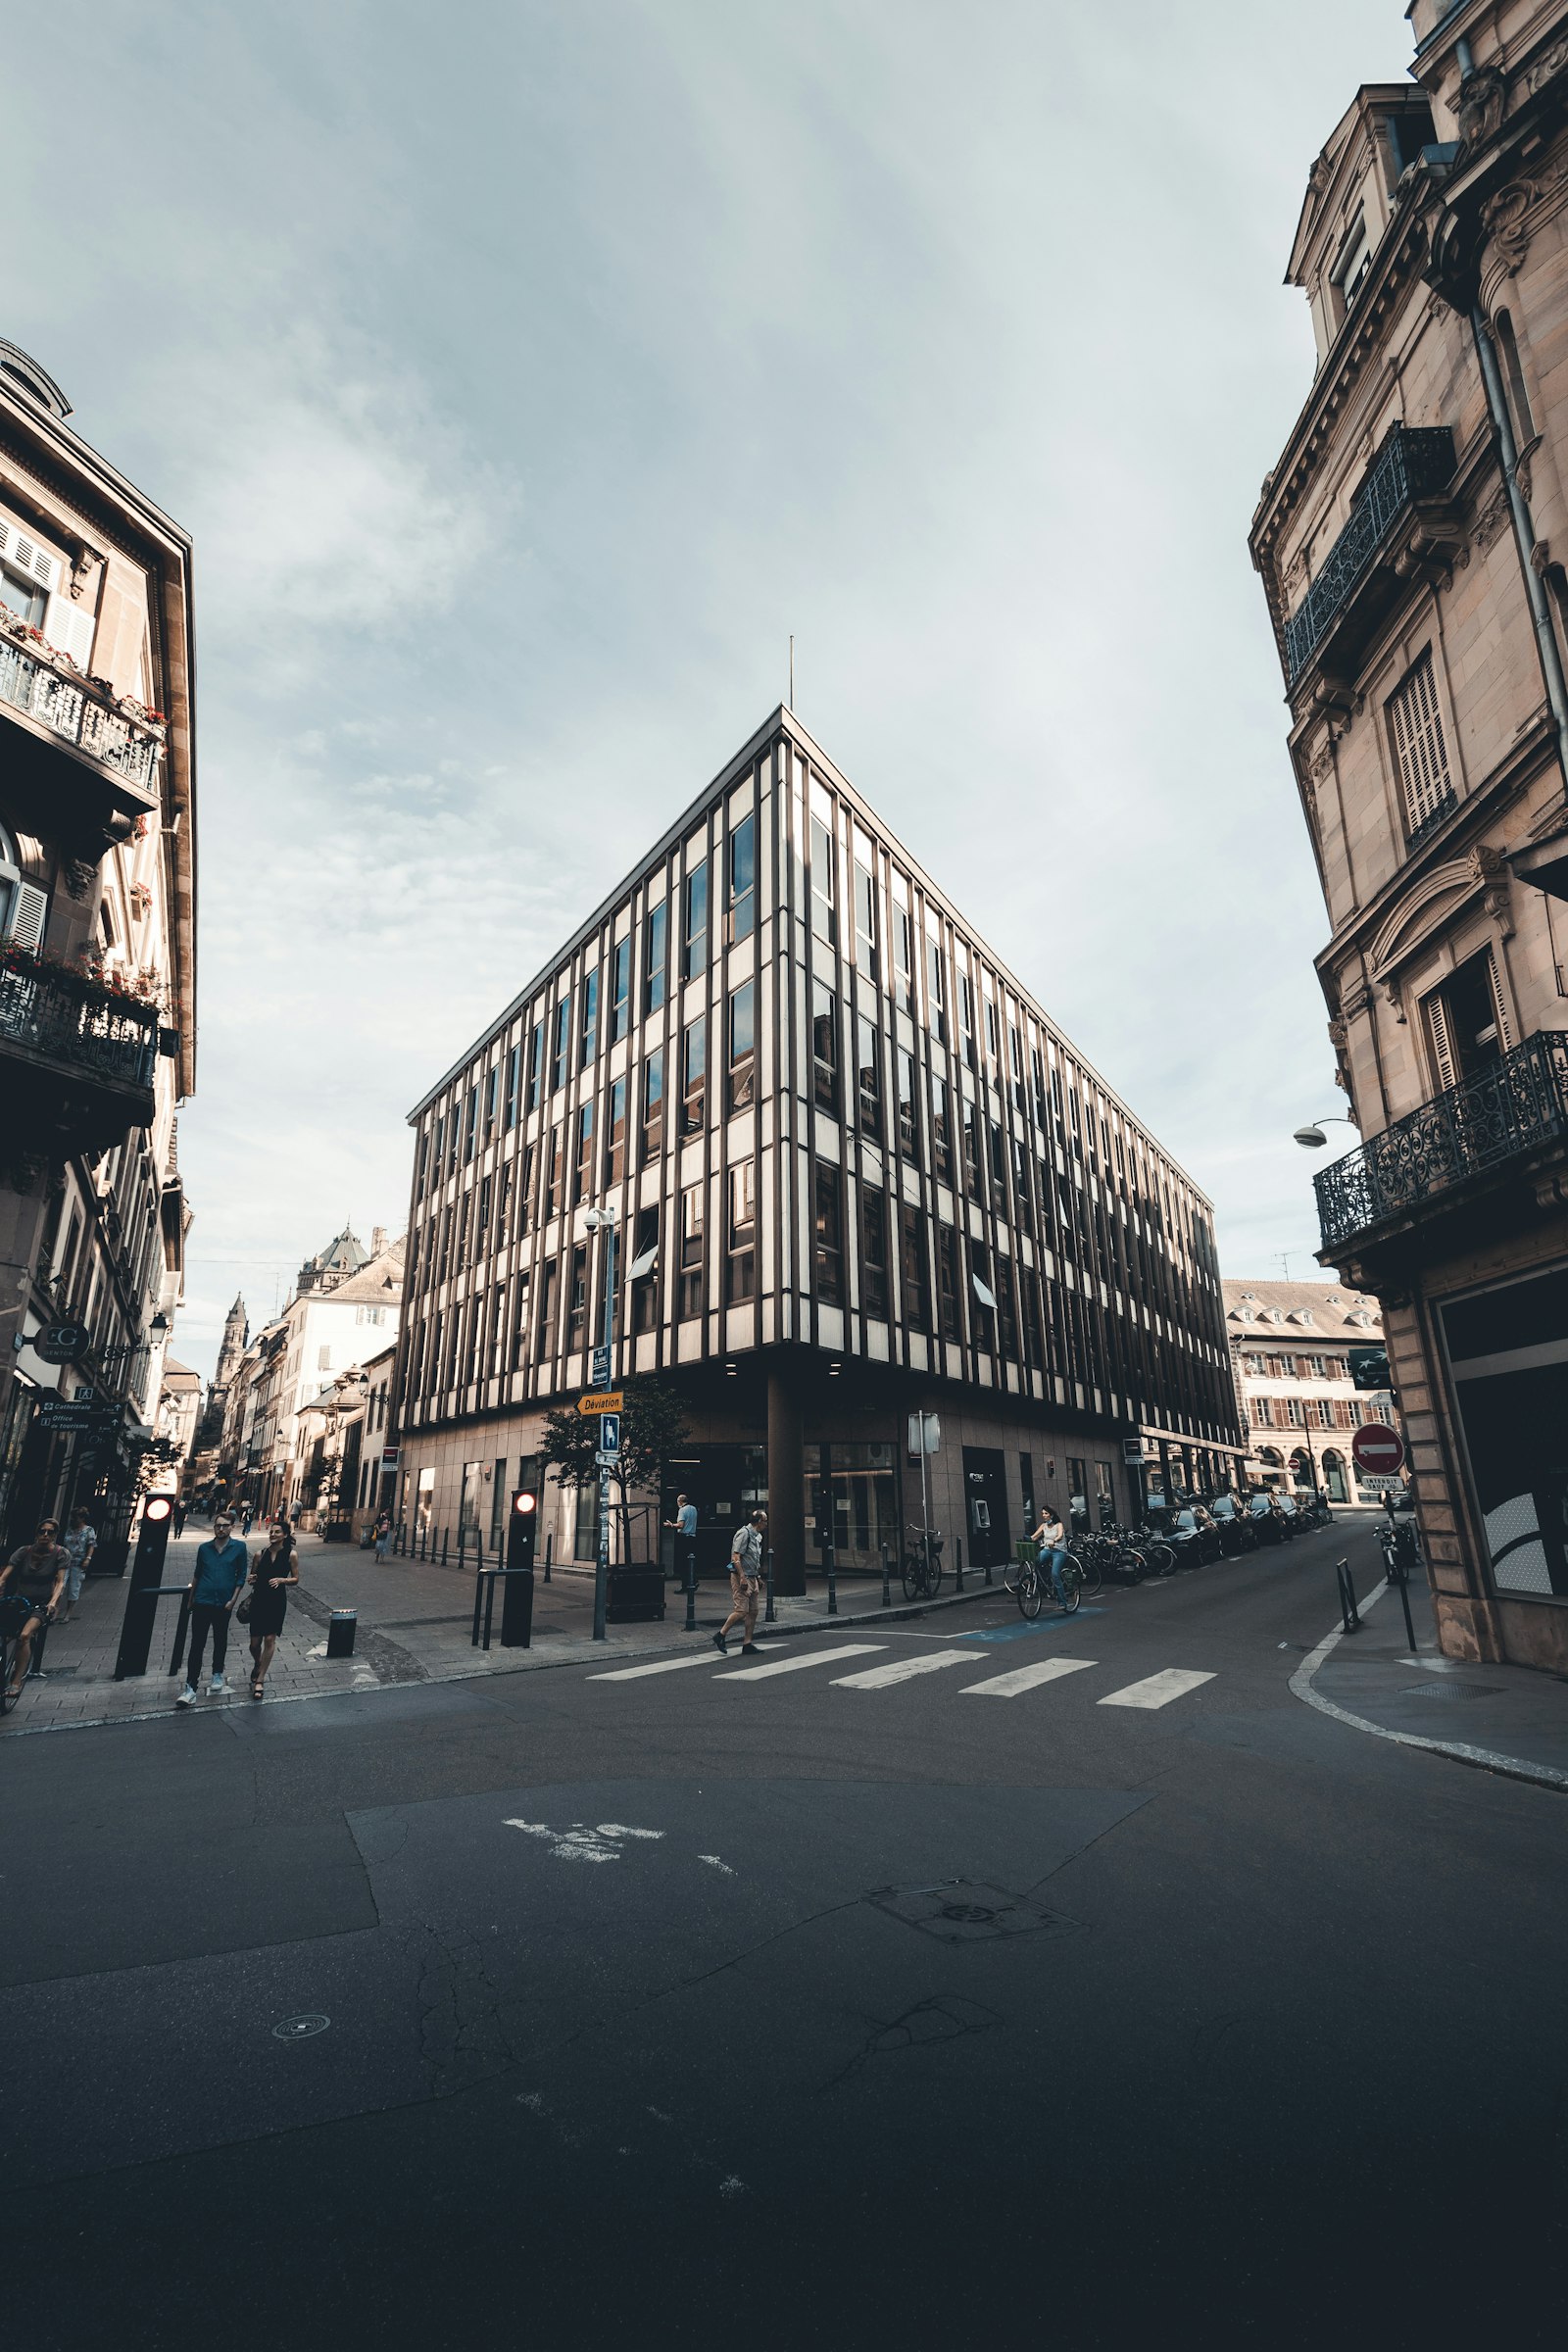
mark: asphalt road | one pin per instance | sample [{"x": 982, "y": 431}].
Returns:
[{"x": 695, "y": 2007}]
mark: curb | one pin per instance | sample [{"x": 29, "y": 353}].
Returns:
[{"x": 1483, "y": 1759}]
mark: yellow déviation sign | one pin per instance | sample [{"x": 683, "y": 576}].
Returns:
[{"x": 601, "y": 1400}]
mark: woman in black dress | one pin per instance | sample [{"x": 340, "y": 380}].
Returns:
[{"x": 275, "y": 1569}]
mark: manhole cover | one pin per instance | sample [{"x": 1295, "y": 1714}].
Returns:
[
  {"x": 298, "y": 2029},
  {"x": 1451, "y": 1691},
  {"x": 956, "y": 1912}
]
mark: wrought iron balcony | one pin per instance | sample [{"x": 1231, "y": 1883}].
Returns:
[
  {"x": 1413, "y": 463},
  {"x": 76, "y": 1061},
  {"x": 58, "y": 711},
  {"x": 1518, "y": 1105}
]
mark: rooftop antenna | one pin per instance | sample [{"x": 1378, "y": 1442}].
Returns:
[
  {"x": 792, "y": 669},
  {"x": 1284, "y": 1258}
]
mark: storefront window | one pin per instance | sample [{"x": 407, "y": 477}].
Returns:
[
  {"x": 1508, "y": 1359},
  {"x": 1077, "y": 1497},
  {"x": 863, "y": 1481}
]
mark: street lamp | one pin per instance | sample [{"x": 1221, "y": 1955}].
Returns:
[
  {"x": 603, "y": 1220},
  {"x": 1312, "y": 1137}
]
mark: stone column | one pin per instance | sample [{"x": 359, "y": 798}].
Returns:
[{"x": 786, "y": 1481}]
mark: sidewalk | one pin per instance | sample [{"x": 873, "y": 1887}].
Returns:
[
  {"x": 415, "y": 1625},
  {"x": 1505, "y": 1719}
]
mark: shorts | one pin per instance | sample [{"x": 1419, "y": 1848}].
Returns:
[
  {"x": 16, "y": 1609},
  {"x": 745, "y": 1597}
]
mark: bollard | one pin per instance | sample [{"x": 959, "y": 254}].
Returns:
[
  {"x": 830, "y": 1560},
  {"x": 344, "y": 1624},
  {"x": 691, "y": 1590},
  {"x": 445, "y": 1534},
  {"x": 1348, "y": 1611},
  {"x": 479, "y": 1603},
  {"x": 463, "y": 1545},
  {"x": 1400, "y": 1574},
  {"x": 769, "y": 1618},
  {"x": 550, "y": 1553},
  {"x": 887, "y": 1580},
  {"x": 958, "y": 1570}
]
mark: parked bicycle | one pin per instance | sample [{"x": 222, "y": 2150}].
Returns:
[{"x": 922, "y": 1564}]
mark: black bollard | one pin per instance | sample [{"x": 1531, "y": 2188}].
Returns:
[
  {"x": 445, "y": 1534},
  {"x": 958, "y": 1570},
  {"x": 769, "y": 1618},
  {"x": 550, "y": 1553},
  {"x": 830, "y": 1560},
  {"x": 181, "y": 1630},
  {"x": 691, "y": 1590},
  {"x": 1348, "y": 1611},
  {"x": 887, "y": 1580}
]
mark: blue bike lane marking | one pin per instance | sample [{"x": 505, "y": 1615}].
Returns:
[{"x": 1041, "y": 1625}]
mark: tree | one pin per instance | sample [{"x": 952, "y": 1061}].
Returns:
[{"x": 653, "y": 1427}]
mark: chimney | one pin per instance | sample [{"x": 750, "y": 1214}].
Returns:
[{"x": 377, "y": 1240}]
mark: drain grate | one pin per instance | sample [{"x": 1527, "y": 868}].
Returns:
[
  {"x": 956, "y": 1912},
  {"x": 1453, "y": 1689}
]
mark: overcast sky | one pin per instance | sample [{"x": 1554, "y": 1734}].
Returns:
[{"x": 526, "y": 373}]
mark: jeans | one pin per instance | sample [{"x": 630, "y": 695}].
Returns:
[
  {"x": 383, "y": 1544},
  {"x": 74, "y": 1581},
  {"x": 1053, "y": 1560},
  {"x": 207, "y": 1616}
]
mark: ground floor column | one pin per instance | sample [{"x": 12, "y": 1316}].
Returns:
[{"x": 786, "y": 1481}]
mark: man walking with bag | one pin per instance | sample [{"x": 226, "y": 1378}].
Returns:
[
  {"x": 222, "y": 1565},
  {"x": 745, "y": 1583}
]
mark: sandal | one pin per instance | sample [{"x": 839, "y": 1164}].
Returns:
[{"x": 258, "y": 1689}]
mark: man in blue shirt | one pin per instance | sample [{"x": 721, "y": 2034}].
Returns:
[
  {"x": 223, "y": 1566},
  {"x": 684, "y": 1524}
]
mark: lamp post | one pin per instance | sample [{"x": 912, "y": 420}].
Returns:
[
  {"x": 1311, "y": 1137},
  {"x": 597, "y": 1220}
]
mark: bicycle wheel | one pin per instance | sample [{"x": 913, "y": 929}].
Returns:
[
  {"x": 933, "y": 1579},
  {"x": 1030, "y": 1596},
  {"x": 1162, "y": 1560},
  {"x": 1133, "y": 1565},
  {"x": 1011, "y": 1574},
  {"x": 1070, "y": 1593},
  {"x": 913, "y": 1578},
  {"x": 1090, "y": 1574}
]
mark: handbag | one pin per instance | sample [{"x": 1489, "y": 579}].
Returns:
[{"x": 242, "y": 1611}]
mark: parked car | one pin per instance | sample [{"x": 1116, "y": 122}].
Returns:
[{"x": 1270, "y": 1521}]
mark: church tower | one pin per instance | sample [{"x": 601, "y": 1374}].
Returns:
[{"x": 235, "y": 1334}]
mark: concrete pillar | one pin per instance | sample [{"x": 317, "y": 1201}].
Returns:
[{"x": 786, "y": 1481}]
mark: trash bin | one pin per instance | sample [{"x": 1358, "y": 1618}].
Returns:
[{"x": 342, "y": 1632}]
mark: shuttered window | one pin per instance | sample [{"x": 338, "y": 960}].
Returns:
[{"x": 1415, "y": 729}]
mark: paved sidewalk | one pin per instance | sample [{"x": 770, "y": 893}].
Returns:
[
  {"x": 415, "y": 1625},
  {"x": 1507, "y": 1719}
]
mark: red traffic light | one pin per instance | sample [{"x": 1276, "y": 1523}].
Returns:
[
  {"x": 523, "y": 1502},
  {"x": 158, "y": 1507}
]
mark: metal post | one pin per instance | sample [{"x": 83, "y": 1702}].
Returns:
[
  {"x": 690, "y": 1588},
  {"x": 768, "y": 1617},
  {"x": 446, "y": 1533},
  {"x": 887, "y": 1580},
  {"x": 830, "y": 1562},
  {"x": 490, "y": 1606},
  {"x": 1348, "y": 1611},
  {"x": 550, "y": 1552},
  {"x": 463, "y": 1541},
  {"x": 601, "y": 1565},
  {"x": 478, "y": 1596},
  {"x": 958, "y": 1587}
]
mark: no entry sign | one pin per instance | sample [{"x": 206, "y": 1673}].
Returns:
[{"x": 1377, "y": 1448}]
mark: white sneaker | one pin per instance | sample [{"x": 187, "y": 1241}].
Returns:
[
  {"x": 186, "y": 1699},
  {"x": 217, "y": 1687}
]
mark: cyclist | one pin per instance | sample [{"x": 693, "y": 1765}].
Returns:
[
  {"x": 1052, "y": 1538},
  {"x": 32, "y": 1583}
]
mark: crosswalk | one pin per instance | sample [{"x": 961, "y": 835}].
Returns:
[{"x": 1149, "y": 1694}]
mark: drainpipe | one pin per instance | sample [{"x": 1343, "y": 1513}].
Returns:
[{"x": 1523, "y": 533}]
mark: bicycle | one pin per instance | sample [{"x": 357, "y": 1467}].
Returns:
[
  {"x": 922, "y": 1565},
  {"x": 15, "y": 1613},
  {"x": 1033, "y": 1583}
]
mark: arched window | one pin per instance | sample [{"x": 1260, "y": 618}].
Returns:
[
  {"x": 23, "y": 907},
  {"x": 1301, "y": 1468}
]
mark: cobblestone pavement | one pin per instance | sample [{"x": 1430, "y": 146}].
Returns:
[{"x": 415, "y": 1625}]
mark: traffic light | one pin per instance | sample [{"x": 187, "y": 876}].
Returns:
[
  {"x": 1369, "y": 1367},
  {"x": 517, "y": 1586}
]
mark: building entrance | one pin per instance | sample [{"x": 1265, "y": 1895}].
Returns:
[
  {"x": 987, "y": 1537},
  {"x": 726, "y": 1483}
]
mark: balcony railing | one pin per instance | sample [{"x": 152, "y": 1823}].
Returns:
[
  {"x": 78, "y": 1027},
  {"x": 73, "y": 708},
  {"x": 1413, "y": 462},
  {"x": 1520, "y": 1104}
]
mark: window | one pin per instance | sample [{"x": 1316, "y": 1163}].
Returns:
[
  {"x": 1415, "y": 725},
  {"x": 1467, "y": 1023},
  {"x": 1105, "y": 1495},
  {"x": 578, "y": 1314},
  {"x": 869, "y": 1077},
  {"x": 585, "y": 1527},
  {"x": 552, "y": 1201},
  {"x": 983, "y": 1311},
  {"x": 865, "y": 955},
  {"x": 694, "y": 950},
  {"x": 621, "y": 990},
  {"x": 1022, "y": 1205},
  {"x": 940, "y": 1131},
  {"x": 1353, "y": 262},
  {"x": 993, "y": 1034},
  {"x": 969, "y": 1117},
  {"x": 691, "y": 1253},
  {"x": 1513, "y": 375},
  {"x": 514, "y": 1081},
  {"x": 999, "y": 1171},
  {"x": 588, "y": 1038},
  {"x": 1263, "y": 1411},
  {"x": 1006, "y": 1313},
  {"x": 658, "y": 957},
  {"x": 643, "y": 1272},
  {"x": 936, "y": 991},
  {"x": 966, "y": 1019},
  {"x": 1077, "y": 1497},
  {"x": 582, "y": 1182},
  {"x": 742, "y": 879},
  {"x": 559, "y": 1060},
  {"x": 828, "y": 1260},
  {"x": 948, "y": 1284},
  {"x": 740, "y": 1075},
  {"x": 615, "y": 1133},
  {"x": 912, "y": 1267},
  {"x": 482, "y": 1231},
  {"x": 536, "y": 1063},
  {"x": 824, "y": 1049},
  {"x": 902, "y": 959},
  {"x": 323, "y": 1359},
  {"x": 740, "y": 1263},
  {"x": 825, "y": 913},
  {"x": 908, "y": 1120},
  {"x": 545, "y": 1342},
  {"x": 498, "y": 1328},
  {"x": 492, "y": 1097},
  {"x": 1034, "y": 1337},
  {"x": 874, "y": 1253},
  {"x": 653, "y": 1115},
  {"x": 694, "y": 1075},
  {"x": 470, "y": 1123},
  {"x": 525, "y": 1189}
]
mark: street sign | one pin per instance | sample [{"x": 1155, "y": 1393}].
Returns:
[
  {"x": 610, "y": 1434},
  {"x": 600, "y": 1374},
  {"x": 58, "y": 1343},
  {"x": 1132, "y": 1453},
  {"x": 64, "y": 1417},
  {"x": 389, "y": 1457},
  {"x": 1369, "y": 1367},
  {"x": 603, "y": 1401},
  {"x": 1375, "y": 1483},
  {"x": 1377, "y": 1448}
]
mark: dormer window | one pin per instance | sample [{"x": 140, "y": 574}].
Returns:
[{"x": 1353, "y": 261}]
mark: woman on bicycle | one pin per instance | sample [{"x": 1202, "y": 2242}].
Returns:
[{"x": 1052, "y": 1538}]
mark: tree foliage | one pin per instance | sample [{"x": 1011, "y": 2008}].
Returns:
[{"x": 653, "y": 1427}]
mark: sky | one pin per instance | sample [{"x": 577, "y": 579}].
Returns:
[{"x": 525, "y": 375}]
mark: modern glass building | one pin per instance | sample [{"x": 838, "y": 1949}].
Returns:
[{"x": 857, "y": 1174}]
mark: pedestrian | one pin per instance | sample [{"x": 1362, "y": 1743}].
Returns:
[
  {"x": 384, "y": 1536},
  {"x": 222, "y": 1565},
  {"x": 245, "y": 1522},
  {"x": 745, "y": 1583},
  {"x": 179, "y": 1514},
  {"x": 684, "y": 1524},
  {"x": 274, "y": 1570},
  {"x": 81, "y": 1543},
  {"x": 31, "y": 1584}
]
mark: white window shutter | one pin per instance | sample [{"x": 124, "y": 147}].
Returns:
[
  {"x": 1442, "y": 1045},
  {"x": 1498, "y": 1006},
  {"x": 69, "y": 629},
  {"x": 30, "y": 916},
  {"x": 22, "y": 550}
]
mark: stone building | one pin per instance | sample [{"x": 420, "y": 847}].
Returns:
[
  {"x": 855, "y": 1173},
  {"x": 1291, "y": 1348},
  {"x": 180, "y": 1408},
  {"x": 1412, "y": 540},
  {"x": 97, "y": 959}
]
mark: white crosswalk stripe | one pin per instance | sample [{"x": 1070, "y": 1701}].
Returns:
[
  {"x": 633, "y": 1674},
  {"x": 1026, "y": 1678},
  {"x": 817, "y": 1657},
  {"x": 902, "y": 1670},
  {"x": 1157, "y": 1690}
]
